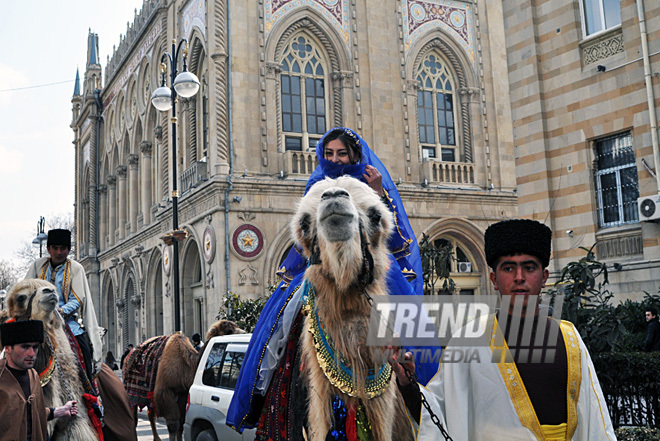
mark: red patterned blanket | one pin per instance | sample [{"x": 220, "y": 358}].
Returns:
[{"x": 140, "y": 370}]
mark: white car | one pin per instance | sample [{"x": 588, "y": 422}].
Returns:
[{"x": 213, "y": 388}]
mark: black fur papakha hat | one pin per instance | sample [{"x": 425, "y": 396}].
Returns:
[
  {"x": 24, "y": 331},
  {"x": 518, "y": 236},
  {"x": 58, "y": 236}
]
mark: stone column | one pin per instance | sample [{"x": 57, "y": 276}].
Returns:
[
  {"x": 93, "y": 245},
  {"x": 121, "y": 193},
  {"x": 469, "y": 106},
  {"x": 111, "y": 181},
  {"x": 103, "y": 217},
  {"x": 133, "y": 191},
  {"x": 145, "y": 148}
]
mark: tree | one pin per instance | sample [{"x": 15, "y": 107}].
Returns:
[
  {"x": 244, "y": 313},
  {"x": 588, "y": 304},
  {"x": 9, "y": 274}
]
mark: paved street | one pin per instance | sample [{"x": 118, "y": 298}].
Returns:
[{"x": 144, "y": 430}]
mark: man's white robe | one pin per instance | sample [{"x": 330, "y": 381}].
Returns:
[
  {"x": 78, "y": 286},
  {"x": 487, "y": 401}
]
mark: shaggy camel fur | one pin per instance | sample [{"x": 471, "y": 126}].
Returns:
[
  {"x": 64, "y": 385},
  {"x": 176, "y": 372},
  {"x": 343, "y": 228}
]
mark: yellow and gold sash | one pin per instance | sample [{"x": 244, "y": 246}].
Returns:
[{"x": 518, "y": 392}]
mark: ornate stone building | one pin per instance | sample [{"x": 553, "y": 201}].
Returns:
[
  {"x": 584, "y": 91},
  {"x": 424, "y": 82}
]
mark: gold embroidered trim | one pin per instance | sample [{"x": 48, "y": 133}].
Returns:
[
  {"x": 408, "y": 241},
  {"x": 514, "y": 385},
  {"x": 335, "y": 367},
  {"x": 44, "y": 271},
  {"x": 574, "y": 374}
]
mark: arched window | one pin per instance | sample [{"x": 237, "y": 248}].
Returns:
[
  {"x": 436, "y": 109},
  {"x": 303, "y": 93}
]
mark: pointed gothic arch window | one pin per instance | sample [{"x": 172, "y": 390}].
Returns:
[
  {"x": 436, "y": 109},
  {"x": 303, "y": 93}
]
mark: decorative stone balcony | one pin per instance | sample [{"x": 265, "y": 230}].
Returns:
[
  {"x": 300, "y": 163},
  {"x": 454, "y": 173},
  {"x": 193, "y": 176}
]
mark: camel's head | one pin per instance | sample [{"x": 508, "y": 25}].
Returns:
[
  {"x": 40, "y": 294},
  {"x": 343, "y": 226}
]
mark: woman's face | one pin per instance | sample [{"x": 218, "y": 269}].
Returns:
[{"x": 335, "y": 151}]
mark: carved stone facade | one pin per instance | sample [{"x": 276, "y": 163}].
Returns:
[{"x": 243, "y": 179}]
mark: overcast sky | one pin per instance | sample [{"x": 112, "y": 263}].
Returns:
[{"x": 42, "y": 42}]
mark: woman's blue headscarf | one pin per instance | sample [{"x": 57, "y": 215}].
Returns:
[{"x": 402, "y": 279}]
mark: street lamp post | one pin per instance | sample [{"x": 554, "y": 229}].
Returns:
[
  {"x": 185, "y": 84},
  {"x": 41, "y": 237},
  {"x": 3, "y": 294}
]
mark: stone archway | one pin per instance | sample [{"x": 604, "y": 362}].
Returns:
[
  {"x": 192, "y": 295},
  {"x": 155, "y": 300},
  {"x": 131, "y": 328}
]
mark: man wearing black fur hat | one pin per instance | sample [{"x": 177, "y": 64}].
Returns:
[
  {"x": 519, "y": 388},
  {"x": 23, "y": 413},
  {"x": 75, "y": 299}
]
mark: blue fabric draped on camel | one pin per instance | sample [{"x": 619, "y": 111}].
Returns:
[{"x": 271, "y": 331}]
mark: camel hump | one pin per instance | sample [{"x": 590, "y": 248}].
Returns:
[{"x": 223, "y": 327}]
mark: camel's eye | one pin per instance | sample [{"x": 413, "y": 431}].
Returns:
[
  {"x": 21, "y": 298},
  {"x": 374, "y": 217}
]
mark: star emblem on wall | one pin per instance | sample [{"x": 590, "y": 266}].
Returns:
[{"x": 247, "y": 241}]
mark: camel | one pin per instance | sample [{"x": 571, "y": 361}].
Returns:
[
  {"x": 175, "y": 369},
  {"x": 56, "y": 361},
  {"x": 343, "y": 228}
]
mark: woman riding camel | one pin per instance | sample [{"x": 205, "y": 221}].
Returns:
[{"x": 340, "y": 152}]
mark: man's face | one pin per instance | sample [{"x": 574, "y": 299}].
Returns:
[
  {"x": 649, "y": 316},
  {"x": 58, "y": 253},
  {"x": 22, "y": 356},
  {"x": 519, "y": 275}
]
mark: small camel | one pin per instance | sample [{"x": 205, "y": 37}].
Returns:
[{"x": 175, "y": 369}]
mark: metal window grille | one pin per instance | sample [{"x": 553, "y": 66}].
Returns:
[{"x": 616, "y": 180}]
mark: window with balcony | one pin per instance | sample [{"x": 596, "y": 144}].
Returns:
[
  {"x": 303, "y": 94},
  {"x": 616, "y": 180},
  {"x": 436, "y": 109},
  {"x": 600, "y": 15}
]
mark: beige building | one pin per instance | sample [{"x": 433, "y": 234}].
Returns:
[
  {"x": 423, "y": 82},
  {"x": 584, "y": 89}
]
